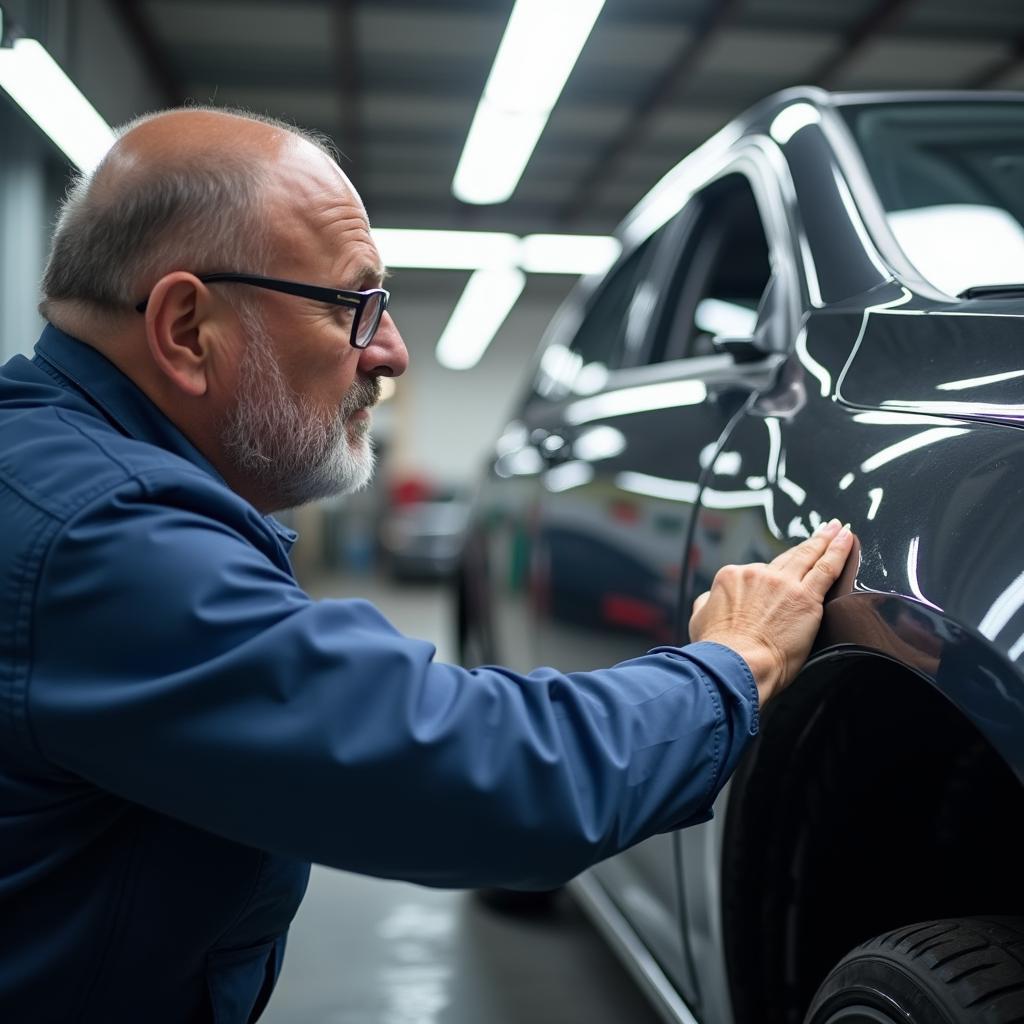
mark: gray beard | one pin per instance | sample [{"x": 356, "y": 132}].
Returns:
[{"x": 276, "y": 439}]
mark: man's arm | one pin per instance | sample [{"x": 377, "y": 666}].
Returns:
[{"x": 175, "y": 666}]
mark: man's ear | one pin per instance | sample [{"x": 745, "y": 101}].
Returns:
[{"x": 180, "y": 326}]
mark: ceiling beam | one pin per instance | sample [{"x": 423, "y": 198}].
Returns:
[
  {"x": 991, "y": 73},
  {"x": 880, "y": 18},
  {"x": 715, "y": 16},
  {"x": 346, "y": 64},
  {"x": 139, "y": 30}
]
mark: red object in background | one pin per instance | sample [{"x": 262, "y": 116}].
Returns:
[
  {"x": 624, "y": 511},
  {"x": 632, "y": 612},
  {"x": 410, "y": 490}
]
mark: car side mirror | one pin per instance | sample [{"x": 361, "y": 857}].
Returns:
[
  {"x": 750, "y": 348},
  {"x": 757, "y": 346}
]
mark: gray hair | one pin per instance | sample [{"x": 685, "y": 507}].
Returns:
[{"x": 111, "y": 241}]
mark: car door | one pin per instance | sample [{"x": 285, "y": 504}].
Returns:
[{"x": 623, "y": 467}]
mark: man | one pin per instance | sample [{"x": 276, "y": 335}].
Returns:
[{"x": 183, "y": 730}]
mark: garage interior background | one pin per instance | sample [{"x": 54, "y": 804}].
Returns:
[{"x": 396, "y": 84}]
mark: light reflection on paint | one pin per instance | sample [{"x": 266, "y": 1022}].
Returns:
[
  {"x": 728, "y": 464},
  {"x": 512, "y": 440},
  {"x": 526, "y": 462},
  {"x": 567, "y": 476},
  {"x": 793, "y": 491},
  {"x": 1017, "y": 649},
  {"x": 788, "y": 121},
  {"x": 909, "y": 444},
  {"x": 905, "y": 296},
  {"x": 875, "y": 494},
  {"x": 657, "y": 486},
  {"x": 774, "y": 446},
  {"x": 1003, "y": 609},
  {"x": 796, "y": 528},
  {"x": 979, "y": 382},
  {"x": 598, "y": 443},
  {"x": 811, "y": 365},
  {"x": 958, "y": 408},
  {"x": 915, "y": 587},
  {"x": 899, "y": 419},
  {"x": 711, "y": 497},
  {"x": 646, "y": 398}
]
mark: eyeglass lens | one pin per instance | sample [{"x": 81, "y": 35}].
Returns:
[{"x": 369, "y": 320}]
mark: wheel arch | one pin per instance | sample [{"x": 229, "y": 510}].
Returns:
[{"x": 870, "y": 799}]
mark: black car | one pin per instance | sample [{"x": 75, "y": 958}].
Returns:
[{"x": 818, "y": 313}]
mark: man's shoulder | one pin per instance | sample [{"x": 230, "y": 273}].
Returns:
[{"x": 62, "y": 459}]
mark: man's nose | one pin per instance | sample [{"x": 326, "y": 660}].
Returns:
[{"x": 386, "y": 355}]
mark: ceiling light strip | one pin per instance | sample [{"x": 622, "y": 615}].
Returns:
[
  {"x": 485, "y": 302},
  {"x": 36, "y": 82},
  {"x": 421, "y": 249},
  {"x": 540, "y": 47}
]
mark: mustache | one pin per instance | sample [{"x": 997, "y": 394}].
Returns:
[{"x": 364, "y": 392}]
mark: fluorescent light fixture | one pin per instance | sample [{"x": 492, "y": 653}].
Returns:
[
  {"x": 568, "y": 254},
  {"x": 538, "y": 51},
  {"x": 488, "y": 297},
  {"x": 423, "y": 249},
  {"x": 37, "y": 84},
  {"x": 446, "y": 250}
]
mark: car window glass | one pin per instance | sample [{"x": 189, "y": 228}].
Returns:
[
  {"x": 722, "y": 275},
  {"x": 612, "y": 332}
]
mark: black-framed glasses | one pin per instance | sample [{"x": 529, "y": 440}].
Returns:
[{"x": 368, "y": 306}]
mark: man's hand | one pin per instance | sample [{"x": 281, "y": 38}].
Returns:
[{"x": 769, "y": 614}]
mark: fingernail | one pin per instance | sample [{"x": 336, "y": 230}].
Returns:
[{"x": 844, "y": 531}]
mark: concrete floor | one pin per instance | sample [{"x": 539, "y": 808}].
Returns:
[{"x": 363, "y": 951}]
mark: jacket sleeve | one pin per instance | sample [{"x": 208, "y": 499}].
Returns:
[{"x": 175, "y": 665}]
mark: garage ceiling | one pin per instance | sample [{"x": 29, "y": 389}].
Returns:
[{"x": 396, "y": 83}]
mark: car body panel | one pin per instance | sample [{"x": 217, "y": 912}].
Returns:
[{"x": 884, "y": 401}]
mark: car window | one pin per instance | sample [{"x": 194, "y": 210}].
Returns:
[
  {"x": 613, "y": 331},
  {"x": 610, "y": 325},
  {"x": 722, "y": 274},
  {"x": 950, "y": 176}
]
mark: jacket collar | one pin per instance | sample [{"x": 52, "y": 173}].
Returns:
[{"x": 103, "y": 385}]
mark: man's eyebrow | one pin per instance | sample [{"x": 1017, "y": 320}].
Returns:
[{"x": 368, "y": 276}]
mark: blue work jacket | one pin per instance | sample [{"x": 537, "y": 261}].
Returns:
[{"x": 183, "y": 729}]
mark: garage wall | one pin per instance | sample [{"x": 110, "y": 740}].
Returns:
[{"x": 446, "y": 421}]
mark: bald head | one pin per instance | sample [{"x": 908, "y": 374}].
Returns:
[{"x": 193, "y": 189}]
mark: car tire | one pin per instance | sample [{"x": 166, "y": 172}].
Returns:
[{"x": 961, "y": 971}]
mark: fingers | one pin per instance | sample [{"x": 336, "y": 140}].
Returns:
[
  {"x": 701, "y": 601},
  {"x": 825, "y": 571},
  {"x": 802, "y": 557}
]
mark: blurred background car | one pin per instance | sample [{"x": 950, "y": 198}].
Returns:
[{"x": 422, "y": 530}]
